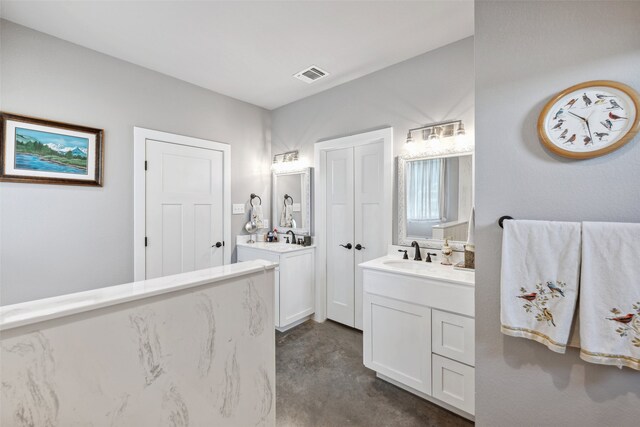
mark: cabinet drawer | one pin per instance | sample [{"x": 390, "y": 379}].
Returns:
[
  {"x": 454, "y": 383},
  {"x": 453, "y": 336}
]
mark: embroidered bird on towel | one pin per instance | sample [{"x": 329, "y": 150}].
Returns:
[
  {"x": 528, "y": 297},
  {"x": 622, "y": 319},
  {"x": 555, "y": 289},
  {"x": 548, "y": 316}
]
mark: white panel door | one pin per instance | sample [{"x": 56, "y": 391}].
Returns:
[
  {"x": 339, "y": 233},
  {"x": 184, "y": 208},
  {"x": 369, "y": 242}
]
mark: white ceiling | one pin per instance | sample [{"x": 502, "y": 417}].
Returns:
[{"x": 250, "y": 50}]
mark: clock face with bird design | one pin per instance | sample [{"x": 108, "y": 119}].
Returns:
[{"x": 590, "y": 119}]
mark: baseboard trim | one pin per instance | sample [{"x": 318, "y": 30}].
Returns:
[{"x": 294, "y": 324}]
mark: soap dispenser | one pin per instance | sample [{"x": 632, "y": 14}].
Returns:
[{"x": 446, "y": 253}]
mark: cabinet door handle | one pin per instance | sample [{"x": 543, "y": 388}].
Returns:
[
  {"x": 348, "y": 246},
  {"x": 359, "y": 246},
  {"x": 217, "y": 245}
]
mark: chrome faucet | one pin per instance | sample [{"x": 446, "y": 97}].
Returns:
[
  {"x": 293, "y": 236},
  {"x": 417, "y": 256}
]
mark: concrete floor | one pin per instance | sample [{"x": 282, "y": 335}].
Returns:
[{"x": 321, "y": 381}]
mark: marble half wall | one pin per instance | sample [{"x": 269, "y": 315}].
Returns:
[{"x": 204, "y": 356}]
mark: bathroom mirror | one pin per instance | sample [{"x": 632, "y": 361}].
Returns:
[
  {"x": 292, "y": 201},
  {"x": 435, "y": 197}
]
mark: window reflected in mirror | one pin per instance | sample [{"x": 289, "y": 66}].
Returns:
[{"x": 437, "y": 198}]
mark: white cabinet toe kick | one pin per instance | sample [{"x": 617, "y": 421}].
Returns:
[{"x": 419, "y": 335}]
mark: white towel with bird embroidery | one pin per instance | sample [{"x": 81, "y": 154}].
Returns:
[
  {"x": 540, "y": 279},
  {"x": 610, "y": 294},
  {"x": 256, "y": 216},
  {"x": 286, "y": 217}
]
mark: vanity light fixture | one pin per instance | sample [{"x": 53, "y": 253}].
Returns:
[
  {"x": 288, "y": 161},
  {"x": 289, "y": 156},
  {"x": 439, "y": 130}
]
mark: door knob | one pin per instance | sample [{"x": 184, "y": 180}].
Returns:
[
  {"x": 359, "y": 246},
  {"x": 348, "y": 246},
  {"x": 218, "y": 244}
]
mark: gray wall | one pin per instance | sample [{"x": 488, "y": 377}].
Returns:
[
  {"x": 525, "y": 53},
  {"x": 58, "y": 239},
  {"x": 432, "y": 87}
]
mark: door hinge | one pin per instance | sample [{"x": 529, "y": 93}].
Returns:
[
  {"x": 146, "y": 242},
  {"x": 145, "y": 165}
]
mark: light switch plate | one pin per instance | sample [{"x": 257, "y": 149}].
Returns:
[
  {"x": 238, "y": 208},
  {"x": 296, "y": 207},
  {"x": 265, "y": 223}
]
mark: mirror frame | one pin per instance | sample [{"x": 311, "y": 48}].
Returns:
[
  {"x": 306, "y": 184},
  {"x": 403, "y": 239}
]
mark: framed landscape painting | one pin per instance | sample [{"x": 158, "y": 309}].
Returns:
[{"x": 41, "y": 151}]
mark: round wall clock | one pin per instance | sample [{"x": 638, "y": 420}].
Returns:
[{"x": 590, "y": 119}]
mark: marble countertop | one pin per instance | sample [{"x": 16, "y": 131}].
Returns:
[
  {"x": 435, "y": 270},
  {"x": 26, "y": 313},
  {"x": 277, "y": 247}
]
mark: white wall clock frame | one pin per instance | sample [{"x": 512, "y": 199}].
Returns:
[
  {"x": 383, "y": 227},
  {"x": 221, "y": 153}
]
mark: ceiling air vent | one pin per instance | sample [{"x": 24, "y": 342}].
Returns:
[{"x": 311, "y": 74}]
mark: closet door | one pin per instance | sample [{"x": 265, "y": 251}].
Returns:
[
  {"x": 339, "y": 235},
  {"x": 369, "y": 239},
  {"x": 184, "y": 208}
]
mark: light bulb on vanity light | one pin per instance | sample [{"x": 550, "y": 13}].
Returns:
[
  {"x": 435, "y": 134},
  {"x": 409, "y": 138}
]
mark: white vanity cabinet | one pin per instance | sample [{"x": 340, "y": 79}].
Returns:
[
  {"x": 294, "y": 279},
  {"x": 419, "y": 330}
]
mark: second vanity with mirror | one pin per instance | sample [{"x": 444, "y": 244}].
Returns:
[
  {"x": 295, "y": 274},
  {"x": 419, "y": 324}
]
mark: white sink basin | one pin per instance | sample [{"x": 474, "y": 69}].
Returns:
[
  {"x": 422, "y": 269},
  {"x": 415, "y": 266},
  {"x": 275, "y": 247}
]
